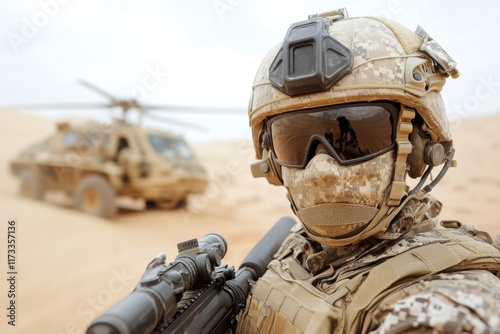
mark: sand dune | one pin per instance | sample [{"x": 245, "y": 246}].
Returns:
[{"x": 72, "y": 266}]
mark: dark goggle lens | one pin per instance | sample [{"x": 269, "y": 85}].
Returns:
[{"x": 350, "y": 134}]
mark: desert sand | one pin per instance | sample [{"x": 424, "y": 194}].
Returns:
[{"x": 71, "y": 267}]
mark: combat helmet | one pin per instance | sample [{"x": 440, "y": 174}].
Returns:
[{"x": 334, "y": 60}]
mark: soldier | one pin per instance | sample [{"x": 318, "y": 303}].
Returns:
[{"x": 341, "y": 113}]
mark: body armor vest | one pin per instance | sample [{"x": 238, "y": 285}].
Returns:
[{"x": 291, "y": 298}]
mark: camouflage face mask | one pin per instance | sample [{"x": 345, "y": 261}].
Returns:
[{"x": 339, "y": 201}]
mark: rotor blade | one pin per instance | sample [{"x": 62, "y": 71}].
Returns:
[
  {"x": 173, "y": 121},
  {"x": 59, "y": 106},
  {"x": 96, "y": 89},
  {"x": 235, "y": 111}
]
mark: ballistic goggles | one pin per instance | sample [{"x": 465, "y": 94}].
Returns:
[{"x": 350, "y": 133}]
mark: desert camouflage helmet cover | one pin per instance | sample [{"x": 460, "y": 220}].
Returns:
[{"x": 389, "y": 62}]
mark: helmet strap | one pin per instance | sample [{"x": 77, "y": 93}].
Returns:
[{"x": 399, "y": 189}]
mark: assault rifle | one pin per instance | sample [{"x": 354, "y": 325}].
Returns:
[{"x": 195, "y": 293}]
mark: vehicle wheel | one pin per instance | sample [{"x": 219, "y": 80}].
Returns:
[
  {"x": 182, "y": 204},
  {"x": 30, "y": 185},
  {"x": 96, "y": 196},
  {"x": 151, "y": 204}
]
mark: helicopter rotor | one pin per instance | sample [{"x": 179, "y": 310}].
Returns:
[{"x": 125, "y": 105}]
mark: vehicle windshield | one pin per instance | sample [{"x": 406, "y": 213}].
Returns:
[{"x": 170, "y": 147}]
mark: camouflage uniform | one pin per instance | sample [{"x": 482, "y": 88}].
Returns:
[
  {"x": 455, "y": 292},
  {"x": 370, "y": 256}
]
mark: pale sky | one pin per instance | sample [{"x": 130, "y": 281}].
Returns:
[{"x": 206, "y": 53}]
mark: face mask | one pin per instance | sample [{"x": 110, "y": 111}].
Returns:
[{"x": 332, "y": 200}]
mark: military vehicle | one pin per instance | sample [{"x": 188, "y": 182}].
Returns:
[{"x": 95, "y": 163}]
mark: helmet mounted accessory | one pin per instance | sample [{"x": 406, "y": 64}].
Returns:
[
  {"x": 310, "y": 59},
  {"x": 443, "y": 62},
  {"x": 425, "y": 151}
]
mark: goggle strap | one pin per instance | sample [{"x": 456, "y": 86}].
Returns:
[{"x": 404, "y": 147}]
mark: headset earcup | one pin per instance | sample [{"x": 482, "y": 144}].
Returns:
[{"x": 415, "y": 160}]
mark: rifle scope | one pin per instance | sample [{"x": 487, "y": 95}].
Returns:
[{"x": 155, "y": 297}]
